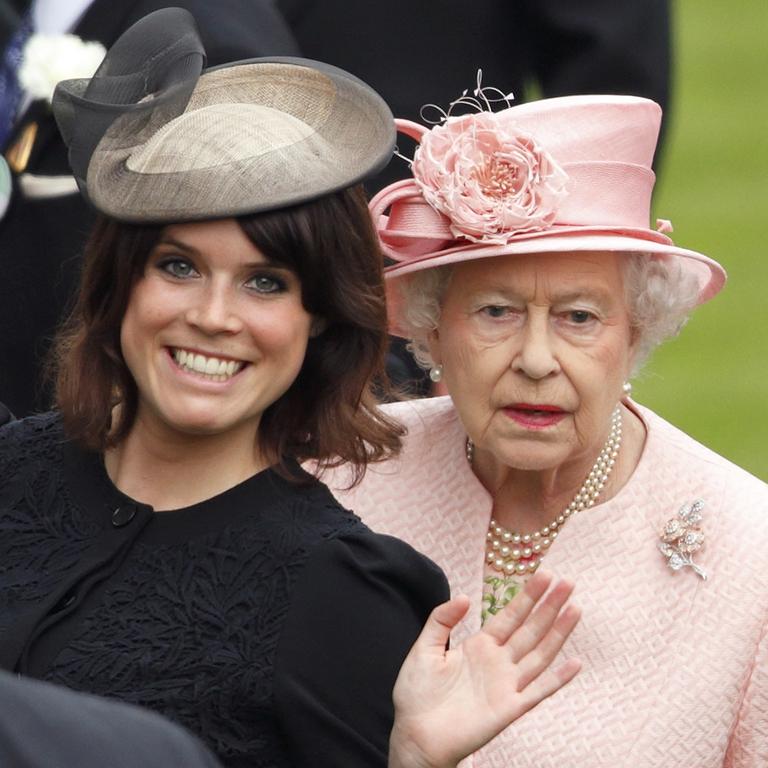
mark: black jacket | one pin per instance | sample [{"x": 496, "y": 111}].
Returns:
[{"x": 267, "y": 620}]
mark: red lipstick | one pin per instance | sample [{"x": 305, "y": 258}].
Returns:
[{"x": 533, "y": 416}]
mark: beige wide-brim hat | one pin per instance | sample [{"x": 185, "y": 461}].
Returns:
[{"x": 154, "y": 138}]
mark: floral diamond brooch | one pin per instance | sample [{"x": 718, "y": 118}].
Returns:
[{"x": 681, "y": 537}]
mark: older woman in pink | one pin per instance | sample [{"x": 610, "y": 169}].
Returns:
[{"x": 531, "y": 285}]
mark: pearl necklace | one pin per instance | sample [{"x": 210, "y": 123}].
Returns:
[{"x": 512, "y": 553}]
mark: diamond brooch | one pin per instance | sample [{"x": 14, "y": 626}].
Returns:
[{"x": 681, "y": 537}]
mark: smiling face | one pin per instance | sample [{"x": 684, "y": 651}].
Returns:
[
  {"x": 213, "y": 333},
  {"x": 535, "y": 350}
]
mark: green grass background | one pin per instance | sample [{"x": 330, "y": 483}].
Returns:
[{"x": 712, "y": 381}]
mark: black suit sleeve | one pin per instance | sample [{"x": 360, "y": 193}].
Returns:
[
  {"x": 600, "y": 46},
  {"x": 231, "y": 29},
  {"x": 42, "y": 726},
  {"x": 358, "y": 607}
]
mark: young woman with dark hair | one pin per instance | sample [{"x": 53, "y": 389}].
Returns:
[
  {"x": 328, "y": 413},
  {"x": 159, "y": 541}
]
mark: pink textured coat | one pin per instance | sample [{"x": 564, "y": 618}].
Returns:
[{"x": 675, "y": 668}]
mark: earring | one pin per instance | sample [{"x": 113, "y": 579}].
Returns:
[
  {"x": 627, "y": 388},
  {"x": 436, "y": 373}
]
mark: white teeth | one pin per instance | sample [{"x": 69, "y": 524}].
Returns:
[{"x": 211, "y": 367}]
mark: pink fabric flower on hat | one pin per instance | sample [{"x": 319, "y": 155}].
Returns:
[{"x": 490, "y": 180}]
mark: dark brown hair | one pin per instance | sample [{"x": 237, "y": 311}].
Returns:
[{"x": 329, "y": 413}]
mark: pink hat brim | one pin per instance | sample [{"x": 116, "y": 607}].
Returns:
[{"x": 710, "y": 275}]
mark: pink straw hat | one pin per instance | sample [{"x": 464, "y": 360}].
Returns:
[{"x": 556, "y": 175}]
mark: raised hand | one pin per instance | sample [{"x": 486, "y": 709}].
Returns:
[{"x": 450, "y": 703}]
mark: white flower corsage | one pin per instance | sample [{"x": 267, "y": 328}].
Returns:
[{"x": 47, "y": 59}]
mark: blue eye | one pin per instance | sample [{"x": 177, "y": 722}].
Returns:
[
  {"x": 580, "y": 316},
  {"x": 495, "y": 311},
  {"x": 266, "y": 284},
  {"x": 180, "y": 268}
]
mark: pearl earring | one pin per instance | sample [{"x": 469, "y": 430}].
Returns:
[
  {"x": 436, "y": 373},
  {"x": 627, "y": 388}
]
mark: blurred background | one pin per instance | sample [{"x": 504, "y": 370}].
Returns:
[{"x": 712, "y": 381}]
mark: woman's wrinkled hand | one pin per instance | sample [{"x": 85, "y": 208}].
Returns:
[{"x": 449, "y": 703}]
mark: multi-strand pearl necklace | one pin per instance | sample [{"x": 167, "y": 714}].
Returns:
[{"x": 512, "y": 553}]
